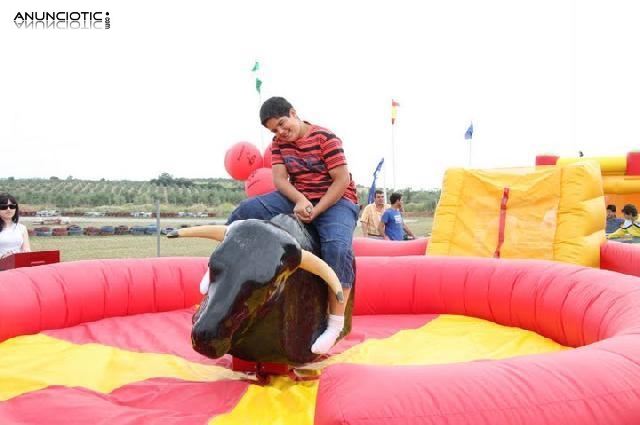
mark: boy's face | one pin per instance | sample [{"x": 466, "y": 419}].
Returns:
[
  {"x": 611, "y": 214},
  {"x": 287, "y": 128}
]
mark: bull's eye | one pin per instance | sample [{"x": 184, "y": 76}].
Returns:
[{"x": 290, "y": 259}]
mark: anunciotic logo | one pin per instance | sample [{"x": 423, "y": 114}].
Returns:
[{"x": 62, "y": 20}]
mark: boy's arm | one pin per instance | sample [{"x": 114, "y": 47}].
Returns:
[
  {"x": 281, "y": 181},
  {"x": 341, "y": 179}
]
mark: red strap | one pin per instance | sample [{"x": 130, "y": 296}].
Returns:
[{"x": 503, "y": 219}]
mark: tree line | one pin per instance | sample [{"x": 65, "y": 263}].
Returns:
[{"x": 217, "y": 196}]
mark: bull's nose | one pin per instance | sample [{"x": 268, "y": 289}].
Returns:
[
  {"x": 206, "y": 340},
  {"x": 212, "y": 348}
]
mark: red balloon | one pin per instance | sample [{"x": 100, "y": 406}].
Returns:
[
  {"x": 242, "y": 159},
  {"x": 259, "y": 182},
  {"x": 267, "y": 157}
]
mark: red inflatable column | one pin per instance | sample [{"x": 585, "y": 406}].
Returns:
[
  {"x": 633, "y": 163},
  {"x": 546, "y": 159}
]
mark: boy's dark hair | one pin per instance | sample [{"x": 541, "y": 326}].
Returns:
[
  {"x": 395, "y": 197},
  {"x": 611, "y": 208},
  {"x": 5, "y": 199},
  {"x": 630, "y": 209},
  {"x": 379, "y": 192},
  {"x": 274, "y": 107}
]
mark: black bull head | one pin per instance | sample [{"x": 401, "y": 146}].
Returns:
[{"x": 267, "y": 301}]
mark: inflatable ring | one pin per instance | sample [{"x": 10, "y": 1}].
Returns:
[{"x": 593, "y": 310}]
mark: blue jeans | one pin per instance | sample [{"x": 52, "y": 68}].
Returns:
[{"x": 335, "y": 228}]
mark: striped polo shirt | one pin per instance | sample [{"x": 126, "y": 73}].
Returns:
[{"x": 308, "y": 161}]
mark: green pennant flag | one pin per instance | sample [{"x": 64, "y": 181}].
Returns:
[
  {"x": 258, "y": 84},
  {"x": 256, "y": 66}
]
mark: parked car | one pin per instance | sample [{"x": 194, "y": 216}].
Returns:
[
  {"x": 166, "y": 230},
  {"x": 137, "y": 230},
  {"x": 151, "y": 229}
]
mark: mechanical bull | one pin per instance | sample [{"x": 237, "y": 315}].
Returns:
[{"x": 267, "y": 297}]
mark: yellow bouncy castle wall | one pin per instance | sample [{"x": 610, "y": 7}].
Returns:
[
  {"x": 620, "y": 175},
  {"x": 553, "y": 213}
]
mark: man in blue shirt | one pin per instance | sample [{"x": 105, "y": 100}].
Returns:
[
  {"x": 392, "y": 226},
  {"x": 613, "y": 222}
]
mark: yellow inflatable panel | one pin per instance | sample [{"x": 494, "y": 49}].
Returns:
[
  {"x": 552, "y": 213},
  {"x": 621, "y": 184},
  {"x": 447, "y": 339},
  {"x": 609, "y": 165}
]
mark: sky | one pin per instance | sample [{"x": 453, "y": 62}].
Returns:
[{"x": 168, "y": 88}]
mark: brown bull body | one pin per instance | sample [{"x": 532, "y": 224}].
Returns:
[{"x": 260, "y": 306}]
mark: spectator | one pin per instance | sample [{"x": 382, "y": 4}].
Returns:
[
  {"x": 13, "y": 235},
  {"x": 613, "y": 222},
  {"x": 392, "y": 226},
  {"x": 631, "y": 225},
  {"x": 371, "y": 215}
]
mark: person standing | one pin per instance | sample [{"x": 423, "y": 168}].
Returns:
[
  {"x": 371, "y": 215},
  {"x": 392, "y": 226},
  {"x": 313, "y": 182},
  {"x": 13, "y": 235}
]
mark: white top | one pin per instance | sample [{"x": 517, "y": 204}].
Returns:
[{"x": 11, "y": 238}]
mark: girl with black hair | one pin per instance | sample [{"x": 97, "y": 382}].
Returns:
[{"x": 13, "y": 235}]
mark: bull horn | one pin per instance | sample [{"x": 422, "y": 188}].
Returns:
[
  {"x": 313, "y": 264},
  {"x": 215, "y": 232}
]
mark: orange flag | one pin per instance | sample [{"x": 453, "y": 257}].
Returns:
[{"x": 394, "y": 111}]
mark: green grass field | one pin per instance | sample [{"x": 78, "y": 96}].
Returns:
[{"x": 74, "y": 248}]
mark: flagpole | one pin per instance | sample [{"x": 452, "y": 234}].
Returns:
[
  {"x": 384, "y": 182},
  {"x": 260, "y": 125},
  {"x": 394, "y": 113},
  {"x": 468, "y": 136},
  {"x": 393, "y": 154},
  {"x": 256, "y": 72}
]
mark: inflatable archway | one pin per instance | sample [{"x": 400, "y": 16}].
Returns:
[
  {"x": 137, "y": 312},
  {"x": 620, "y": 175}
]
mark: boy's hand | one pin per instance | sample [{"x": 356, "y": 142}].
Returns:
[{"x": 304, "y": 211}]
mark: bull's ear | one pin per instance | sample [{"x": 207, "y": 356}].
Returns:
[
  {"x": 314, "y": 264},
  {"x": 215, "y": 232}
]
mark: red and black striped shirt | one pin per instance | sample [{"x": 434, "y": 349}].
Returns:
[{"x": 308, "y": 161}]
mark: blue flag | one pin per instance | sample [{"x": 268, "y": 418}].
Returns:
[
  {"x": 372, "y": 189},
  {"x": 469, "y": 133}
]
